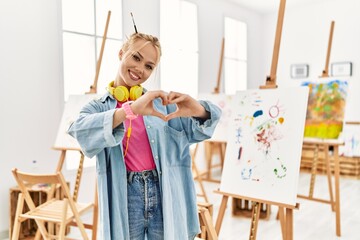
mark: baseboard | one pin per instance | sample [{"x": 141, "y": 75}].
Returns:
[{"x": 4, "y": 235}]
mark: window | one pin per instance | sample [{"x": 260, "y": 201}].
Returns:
[
  {"x": 82, "y": 40},
  {"x": 179, "y": 38},
  {"x": 235, "y": 56}
]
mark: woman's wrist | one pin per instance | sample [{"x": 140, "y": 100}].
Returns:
[{"x": 129, "y": 114}]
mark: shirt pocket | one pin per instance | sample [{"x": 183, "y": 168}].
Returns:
[{"x": 177, "y": 151}]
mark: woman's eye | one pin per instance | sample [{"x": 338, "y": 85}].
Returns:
[
  {"x": 149, "y": 67},
  {"x": 137, "y": 58}
]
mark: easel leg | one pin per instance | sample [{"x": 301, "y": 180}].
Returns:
[
  {"x": 289, "y": 224},
  {"x": 78, "y": 176},
  {"x": 328, "y": 171},
  {"x": 282, "y": 221},
  {"x": 313, "y": 171},
  {"x": 208, "y": 157},
  {"x": 95, "y": 213},
  {"x": 337, "y": 189},
  {"x": 221, "y": 214},
  {"x": 254, "y": 220}
]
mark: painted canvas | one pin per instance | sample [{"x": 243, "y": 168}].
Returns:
[
  {"x": 71, "y": 112},
  {"x": 326, "y": 105},
  {"x": 351, "y": 137},
  {"x": 263, "y": 153},
  {"x": 224, "y": 102}
]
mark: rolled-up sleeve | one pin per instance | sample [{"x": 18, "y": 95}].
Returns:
[
  {"x": 201, "y": 129},
  {"x": 93, "y": 130}
]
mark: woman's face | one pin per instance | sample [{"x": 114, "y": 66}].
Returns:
[{"x": 137, "y": 63}]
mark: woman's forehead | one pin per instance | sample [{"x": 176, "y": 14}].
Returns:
[{"x": 146, "y": 49}]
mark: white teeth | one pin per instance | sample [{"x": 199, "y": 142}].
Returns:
[{"x": 134, "y": 76}]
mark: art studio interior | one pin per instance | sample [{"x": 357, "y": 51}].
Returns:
[{"x": 283, "y": 161}]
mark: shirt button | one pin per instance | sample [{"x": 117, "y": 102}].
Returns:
[
  {"x": 152, "y": 140},
  {"x": 156, "y": 157},
  {"x": 148, "y": 126}
]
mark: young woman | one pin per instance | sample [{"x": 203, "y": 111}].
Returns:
[{"x": 141, "y": 140}]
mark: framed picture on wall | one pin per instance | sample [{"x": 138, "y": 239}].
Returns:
[
  {"x": 299, "y": 70},
  {"x": 341, "y": 69}
]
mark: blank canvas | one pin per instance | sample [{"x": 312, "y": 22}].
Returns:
[{"x": 71, "y": 112}]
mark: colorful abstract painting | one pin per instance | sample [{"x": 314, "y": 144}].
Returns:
[
  {"x": 326, "y": 105},
  {"x": 265, "y": 136}
]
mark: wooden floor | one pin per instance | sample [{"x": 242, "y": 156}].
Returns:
[{"x": 313, "y": 221}]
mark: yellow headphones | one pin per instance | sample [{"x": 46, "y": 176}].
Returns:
[{"x": 122, "y": 94}]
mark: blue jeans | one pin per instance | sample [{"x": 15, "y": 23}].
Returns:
[{"x": 144, "y": 206}]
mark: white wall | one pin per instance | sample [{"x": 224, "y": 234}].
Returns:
[
  {"x": 305, "y": 40},
  {"x": 31, "y": 90}
]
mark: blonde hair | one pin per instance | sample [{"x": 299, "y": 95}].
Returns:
[{"x": 142, "y": 36}]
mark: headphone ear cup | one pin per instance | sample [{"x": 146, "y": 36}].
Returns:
[
  {"x": 121, "y": 93},
  {"x": 136, "y": 92}
]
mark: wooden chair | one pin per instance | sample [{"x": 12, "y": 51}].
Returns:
[
  {"x": 208, "y": 231},
  {"x": 60, "y": 212},
  {"x": 196, "y": 173}
]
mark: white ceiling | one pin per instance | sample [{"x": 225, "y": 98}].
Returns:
[{"x": 266, "y": 6}]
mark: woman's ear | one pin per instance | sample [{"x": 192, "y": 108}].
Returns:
[{"x": 120, "y": 54}]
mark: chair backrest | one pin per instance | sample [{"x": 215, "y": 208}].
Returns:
[{"x": 24, "y": 179}]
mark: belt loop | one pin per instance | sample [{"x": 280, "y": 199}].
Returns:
[
  {"x": 130, "y": 177},
  {"x": 154, "y": 172}
]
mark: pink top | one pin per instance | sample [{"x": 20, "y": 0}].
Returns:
[{"x": 139, "y": 156}]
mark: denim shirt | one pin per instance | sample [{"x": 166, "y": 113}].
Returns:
[{"x": 169, "y": 142}]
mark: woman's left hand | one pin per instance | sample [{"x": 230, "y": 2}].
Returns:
[{"x": 186, "y": 106}]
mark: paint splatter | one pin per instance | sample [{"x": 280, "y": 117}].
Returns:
[{"x": 258, "y": 113}]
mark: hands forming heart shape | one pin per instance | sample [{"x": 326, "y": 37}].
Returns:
[{"x": 186, "y": 105}]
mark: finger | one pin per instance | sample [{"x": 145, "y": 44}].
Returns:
[
  {"x": 177, "y": 99},
  {"x": 163, "y": 95},
  {"x": 173, "y": 95},
  {"x": 172, "y": 115},
  {"x": 159, "y": 115}
]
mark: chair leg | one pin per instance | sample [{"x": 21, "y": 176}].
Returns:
[
  {"x": 37, "y": 235},
  {"x": 80, "y": 224},
  {"x": 17, "y": 222},
  {"x": 63, "y": 220}
]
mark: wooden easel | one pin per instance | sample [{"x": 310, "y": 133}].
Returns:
[
  {"x": 197, "y": 175},
  {"x": 215, "y": 146},
  {"x": 325, "y": 144},
  {"x": 93, "y": 87},
  {"x": 93, "y": 90},
  {"x": 286, "y": 218},
  {"x": 325, "y": 72}
]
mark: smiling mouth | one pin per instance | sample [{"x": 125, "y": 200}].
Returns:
[{"x": 134, "y": 76}]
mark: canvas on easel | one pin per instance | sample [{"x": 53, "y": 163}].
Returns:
[
  {"x": 264, "y": 144},
  {"x": 223, "y": 101},
  {"x": 71, "y": 112}
]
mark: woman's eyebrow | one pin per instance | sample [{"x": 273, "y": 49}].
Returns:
[{"x": 143, "y": 58}]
